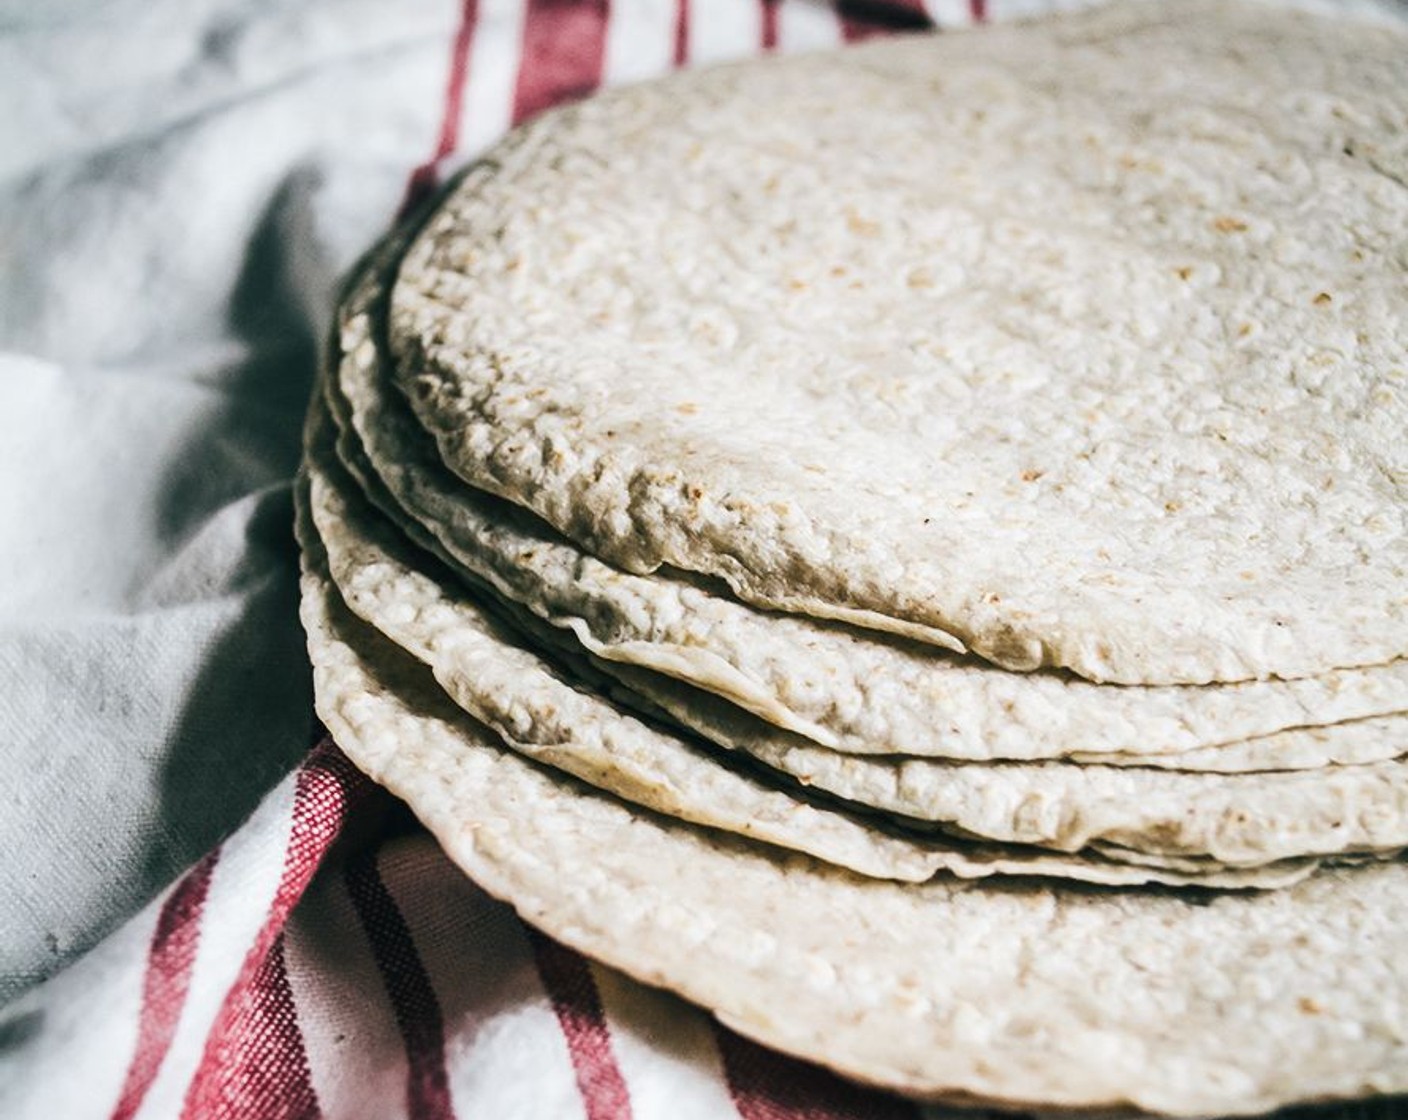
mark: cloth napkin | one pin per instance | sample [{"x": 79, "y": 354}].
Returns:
[{"x": 182, "y": 183}]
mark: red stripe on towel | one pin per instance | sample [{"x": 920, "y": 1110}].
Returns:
[
  {"x": 766, "y": 1085},
  {"x": 424, "y": 178},
  {"x": 567, "y": 978},
  {"x": 769, "y": 26},
  {"x": 268, "y": 1075},
  {"x": 408, "y": 987},
  {"x": 254, "y": 1014},
  {"x": 564, "y": 44},
  {"x": 168, "y": 978},
  {"x": 681, "y": 57}
]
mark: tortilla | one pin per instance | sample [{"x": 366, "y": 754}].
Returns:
[
  {"x": 845, "y": 689},
  {"x": 970, "y": 995},
  {"x": 1080, "y": 342},
  {"x": 557, "y": 721},
  {"x": 1237, "y": 819},
  {"x": 1250, "y": 819},
  {"x": 1352, "y": 743},
  {"x": 1243, "y": 820}
]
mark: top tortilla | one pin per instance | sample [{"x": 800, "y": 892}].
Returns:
[{"x": 1082, "y": 343}]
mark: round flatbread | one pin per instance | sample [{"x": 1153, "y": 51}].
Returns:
[
  {"x": 560, "y": 722},
  {"x": 1244, "y": 819},
  {"x": 1082, "y": 343}
]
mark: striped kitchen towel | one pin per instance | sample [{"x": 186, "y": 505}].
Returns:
[{"x": 328, "y": 960}]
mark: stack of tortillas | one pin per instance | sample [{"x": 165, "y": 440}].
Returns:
[{"x": 907, "y": 548}]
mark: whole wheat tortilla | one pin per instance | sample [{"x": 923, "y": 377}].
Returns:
[
  {"x": 553, "y": 720},
  {"x": 1081, "y": 342},
  {"x": 1016, "y": 995},
  {"x": 849, "y": 690}
]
